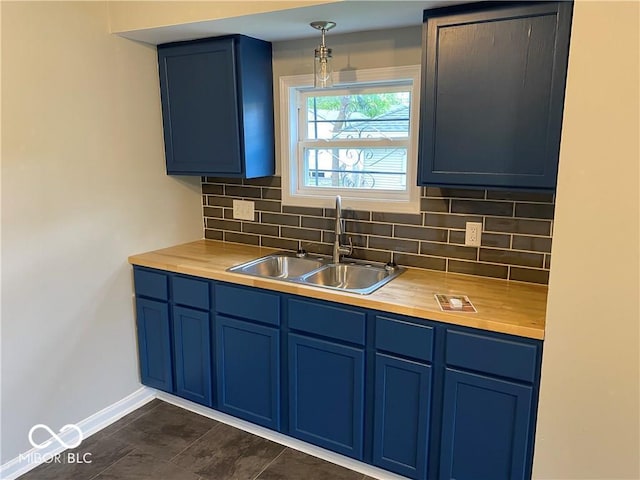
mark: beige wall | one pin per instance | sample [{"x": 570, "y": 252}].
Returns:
[
  {"x": 588, "y": 419},
  {"x": 83, "y": 187},
  {"x": 137, "y": 15}
]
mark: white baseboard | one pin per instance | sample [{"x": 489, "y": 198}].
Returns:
[
  {"x": 105, "y": 417},
  {"x": 90, "y": 425},
  {"x": 282, "y": 439}
]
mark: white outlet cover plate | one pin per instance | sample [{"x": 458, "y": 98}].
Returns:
[
  {"x": 473, "y": 234},
  {"x": 243, "y": 210}
]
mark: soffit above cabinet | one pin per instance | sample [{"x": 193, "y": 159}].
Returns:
[{"x": 273, "y": 26}]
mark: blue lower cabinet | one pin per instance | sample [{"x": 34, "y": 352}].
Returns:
[
  {"x": 248, "y": 368},
  {"x": 445, "y": 402},
  {"x": 401, "y": 422},
  {"x": 326, "y": 394},
  {"x": 485, "y": 428},
  {"x": 192, "y": 347},
  {"x": 154, "y": 344}
]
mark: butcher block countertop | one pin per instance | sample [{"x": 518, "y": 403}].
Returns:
[{"x": 502, "y": 306}]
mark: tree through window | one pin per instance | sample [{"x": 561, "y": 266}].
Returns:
[
  {"x": 357, "y": 140},
  {"x": 336, "y": 125}
]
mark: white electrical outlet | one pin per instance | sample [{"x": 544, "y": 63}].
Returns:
[
  {"x": 473, "y": 234},
  {"x": 243, "y": 210}
]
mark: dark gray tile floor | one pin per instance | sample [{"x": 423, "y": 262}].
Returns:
[{"x": 160, "y": 441}]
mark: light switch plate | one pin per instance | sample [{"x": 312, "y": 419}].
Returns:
[{"x": 243, "y": 210}]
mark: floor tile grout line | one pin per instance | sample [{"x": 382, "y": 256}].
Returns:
[
  {"x": 112, "y": 464},
  {"x": 184, "y": 469},
  {"x": 134, "y": 449},
  {"x": 270, "y": 463},
  {"x": 141, "y": 452},
  {"x": 130, "y": 421},
  {"x": 171, "y": 460}
]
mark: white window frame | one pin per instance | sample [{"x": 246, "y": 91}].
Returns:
[{"x": 294, "y": 90}]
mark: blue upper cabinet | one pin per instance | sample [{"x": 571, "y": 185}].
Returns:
[
  {"x": 493, "y": 94},
  {"x": 217, "y": 107}
]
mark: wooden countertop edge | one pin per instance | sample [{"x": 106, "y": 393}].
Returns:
[{"x": 366, "y": 301}]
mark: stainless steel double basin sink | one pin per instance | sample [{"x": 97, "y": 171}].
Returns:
[{"x": 349, "y": 276}]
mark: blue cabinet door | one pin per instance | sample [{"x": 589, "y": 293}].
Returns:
[
  {"x": 493, "y": 94},
  {"x": 326, "y": 394},
  {"x": 154, "y": 344},
  {"x": 217, "y": 107},
  {"x": 192, "y": 347},
  {"x": 485, "y": 428},
  {"x": 248, "y": 367},
  {"x": 402, "y": 411}
]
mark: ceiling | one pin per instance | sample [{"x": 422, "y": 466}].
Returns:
[{"x": 350, "y": 16}]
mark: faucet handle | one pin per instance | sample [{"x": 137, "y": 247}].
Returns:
[{"x": 350, "y": 247}]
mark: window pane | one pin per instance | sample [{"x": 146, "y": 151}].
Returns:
[
  {"x": 362, "y": 168},
  {"x": 371, "y": 115}
]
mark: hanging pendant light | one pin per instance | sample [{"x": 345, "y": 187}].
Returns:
[{"x": 322, "y": 67}]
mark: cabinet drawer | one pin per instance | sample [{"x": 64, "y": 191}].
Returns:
[
  {"x": 407, "y": 339},
  {"x": 328, "y": 320},
  {"x": 496, "y": 356},
  {"x": 151, "y": 284},
  {"x": 251, "y": 304},
  {"x": 190, "y": 292}
]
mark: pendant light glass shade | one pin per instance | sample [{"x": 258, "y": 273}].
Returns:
[
  {"x": 323, "y": 68},
  {"x": 322, "y": 65}
]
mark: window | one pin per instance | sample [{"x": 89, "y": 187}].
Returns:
[{"x": 357, "y": 140}]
